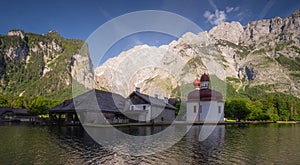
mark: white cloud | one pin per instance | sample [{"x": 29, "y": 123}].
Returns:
[
  {"x": 218, "y": 16},
  {"x": 231, "y": 9},
  {"x": 215, "y": 18},
  {"x": 211, "y": 2}
]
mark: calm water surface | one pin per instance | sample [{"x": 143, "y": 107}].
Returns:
[{"x": 254, "y": 144}]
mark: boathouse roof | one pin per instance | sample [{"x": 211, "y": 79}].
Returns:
[
  {"x": 93, "y": 100},
  {"x": 15, "y": 111}
]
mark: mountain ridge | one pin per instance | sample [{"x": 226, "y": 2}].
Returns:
[
  {"x": 263, "y": 53},
  {"x": 40, "y": 64}
]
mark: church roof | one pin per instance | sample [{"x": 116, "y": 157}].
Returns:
[
  {"x": 205, "y": 95},
  {"x": 204, "y": 77}
]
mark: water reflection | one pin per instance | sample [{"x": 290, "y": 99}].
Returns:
[
  {"x": 139, "y": 140},
  {"x": 188, "y": 150},
  {"x": 207, "y": 150},
  {"x": 261, "y": 144}
]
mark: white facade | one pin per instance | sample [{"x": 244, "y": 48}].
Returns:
[
  {"x": 209, "y": 111},
  {"x": 147, "y": 113}
]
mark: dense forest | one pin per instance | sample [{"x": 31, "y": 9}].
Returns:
[
  {"x": 255, "y": 104},
  {"x": 35, "y": 105}
]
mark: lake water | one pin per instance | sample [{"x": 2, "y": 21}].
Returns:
[{"x": 230, "y": 144}]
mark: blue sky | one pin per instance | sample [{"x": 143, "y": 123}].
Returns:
[{"x": 79, "y": 18}]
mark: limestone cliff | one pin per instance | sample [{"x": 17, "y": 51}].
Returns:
[
  {"x": 33, "y": 64},
  {"x": 264, "y": 53}
]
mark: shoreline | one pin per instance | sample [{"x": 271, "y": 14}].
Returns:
[
  {"x": 156, "y": 124},
  {"x": 180, "y": 123}
]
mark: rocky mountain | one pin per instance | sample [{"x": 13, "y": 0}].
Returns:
[
  {"x": 264, "y": 54},
  {"x": 41, "y": 65}
]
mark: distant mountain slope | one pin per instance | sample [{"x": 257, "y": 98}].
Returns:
[
  {"x": 40, "y": 65},
  {"x": 263, "y": 54}
]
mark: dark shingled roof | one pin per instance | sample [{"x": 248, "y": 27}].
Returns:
[
  {"x": 152, "y": 100},
  {"x": 66, "y": 106},
  {"x": 93, "y": 100},
  {"x": 204, "y": 77},
  {"x": 16, "y": 111},
  {"x": 205, "y": 95}
]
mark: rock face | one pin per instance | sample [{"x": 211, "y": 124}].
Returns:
[
  {"x": 81, "y": 70},
  {"x": 34, "y": 65},
  {"x": 19, "y": 33},
  {"x": 227, "y": 31},
  {"x": 263, "y": 53}
]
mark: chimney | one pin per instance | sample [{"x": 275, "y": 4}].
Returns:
[
  {"x": 137, "y": 89},
  {"x": 156, "y": 96},
  {"x": 166, "y": 100}
]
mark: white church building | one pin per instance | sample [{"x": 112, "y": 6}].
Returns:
[{"x": 204, "y": 104}]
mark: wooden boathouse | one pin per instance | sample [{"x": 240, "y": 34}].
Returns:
[{"x": 92, "y": 107}]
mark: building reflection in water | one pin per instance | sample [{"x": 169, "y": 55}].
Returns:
[
  {"x": 209, "y": 148},
  {"x": 138, "y": 140},
  {"x": 188, "y": 150}
]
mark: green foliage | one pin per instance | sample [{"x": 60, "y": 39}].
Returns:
[
  {"x": 3, "y": 102},
  {"x": 26, "y": 77},
  {"x": 297, "y": 49},
  {"x": 260, "y": 51},
  {"x": 280, "y": 46},
  {"x": 296, "y": 75},
  {"x": 40, "y": 105},
  {"x": 232, "y": 79},
  {"x": 243, "y": 54},
  {"x": 291, "y": 64},
  {"x": 267, "y": 106},
  {"x": 34, "y": 105},
  {"x": 237, "y": 109},
  {"x": 242, "y": 51}
]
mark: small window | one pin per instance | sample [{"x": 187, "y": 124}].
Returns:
[
  {"x": 131, "y": 107},
  {"x": 195, "y": 109},
  {"x": 220, "y": 109},
  {"x": 200, "y": 109},
  {"x": 144, "y": 107}
]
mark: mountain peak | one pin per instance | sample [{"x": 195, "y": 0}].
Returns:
[
  {"x": 296, "y": 13},
  {"x": 228, "y": 31},
  {"x": 262, "y": 53},
  {"x": 19, "y": 33},
  {"x": 53, "y": 32}
]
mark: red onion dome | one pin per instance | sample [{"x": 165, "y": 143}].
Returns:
[
  {"x": 204, "y": 77},
  {"x": 197, "y": 83}
]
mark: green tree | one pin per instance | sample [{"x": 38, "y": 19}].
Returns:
[
  {"x": 237, "y": 109},
  {"x": 40, "y": 105},
  {"x": 256, "y": 111},
  {"x": 3, "y": 101}
]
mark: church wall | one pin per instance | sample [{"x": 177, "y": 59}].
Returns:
[
  {"x": 209, "y": 111},
  {"x": 222, "y": 110},
  {"x": 192, "y": 111}
]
